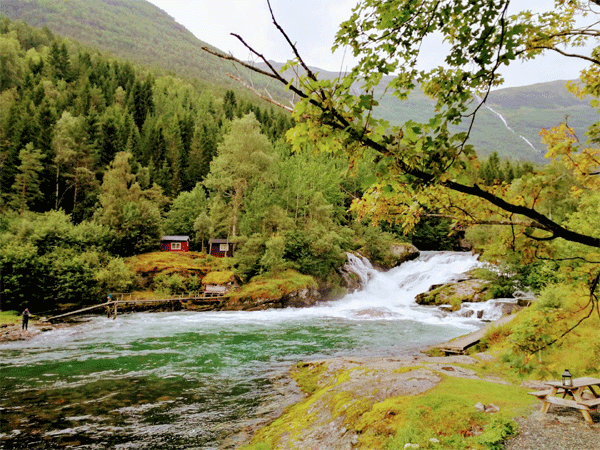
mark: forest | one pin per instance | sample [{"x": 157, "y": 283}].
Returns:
[{"x": 101, "y": 157}]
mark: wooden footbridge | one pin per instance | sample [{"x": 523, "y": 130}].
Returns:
[
  {"x": 120, "y": 300},
  {"x": 459, "y": 345}
]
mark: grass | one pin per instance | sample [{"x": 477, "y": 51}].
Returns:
[
  {"x": 218, "y": 277},
  {"x": 557, "y": 309},
  {"x": 9, "y": 317},
  {"x": 274, "y": 285},
  {"x": 445, "y": 417},
  {"x": 172, "y": 262}
]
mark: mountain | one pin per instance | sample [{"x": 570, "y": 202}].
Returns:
[
  {"x": 511, "y": 119},
  {"x": 135, "y": 30},
  {"x": 139, "y": 31}
]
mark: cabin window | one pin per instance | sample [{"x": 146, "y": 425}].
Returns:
[
  {"x": 175, "y": 245},
  {"x": 223, "y": 247}
]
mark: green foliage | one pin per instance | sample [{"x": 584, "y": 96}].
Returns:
[
  {"x": 80, "y": 108},
  {"x": 27, "y": 183},
  {"x": 244, "y": 157},
  {"x": 19, "y": 264},
  {"x": 167, "y": 284},
  {"x": 115, "y": 277},
  {"x": 502, "y": 283},
  {"x": 542, "y": 324},
  {"x": 185, "y": 209},
  {"x": 444, "y": 419},
  {"x": 376, "y": 245},
  {"x": 433, "y": 233},
  {"x": 45, "y": 259},
  {"x": 315, "y": 252},
  {"x": 132, "y": 214}
]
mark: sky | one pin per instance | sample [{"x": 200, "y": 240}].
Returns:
[{"x": 312, "y": 25}]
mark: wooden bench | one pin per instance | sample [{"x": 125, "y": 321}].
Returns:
[
  {"x": 543, "y": 393},
  {"x": 590, "y": 403}
]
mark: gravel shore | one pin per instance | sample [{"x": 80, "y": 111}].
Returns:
[
  {"x": 560, "y": 429},
  {"x": 14, "y": 332}
]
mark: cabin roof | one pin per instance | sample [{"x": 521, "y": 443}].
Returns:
[
  {"x": 220, "y": 241},
  {"x": 175, "y": 238}
]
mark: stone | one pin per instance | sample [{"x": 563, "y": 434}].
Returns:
[
  {"x": 404, "y": 252},
  {"x": 491, "y": 408}
]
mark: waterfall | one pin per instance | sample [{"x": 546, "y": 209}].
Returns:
[
  {"x": 359, "y": 266},
  {"x": 501, "y": 117},
  {"x": 487, "y": 311},
  {"x": 391, "y": 295}
]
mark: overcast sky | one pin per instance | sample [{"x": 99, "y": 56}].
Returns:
[{"x": 312, "y": 24}]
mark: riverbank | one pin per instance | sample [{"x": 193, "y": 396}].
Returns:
[
  {"x": 14, "y": 332},
  {"x": 419, "y": 402}
]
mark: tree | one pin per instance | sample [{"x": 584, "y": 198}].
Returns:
[
  {"x": 417, "y": 161},
  {"x": 27, "y": 183},
  {"x": 428, "y": 167},
  {"x": 244, "y": 157},
  {"x": 72, "y": 156},
  {"x": 131, "y": 213},
  {"x": 185, "y": 210}
]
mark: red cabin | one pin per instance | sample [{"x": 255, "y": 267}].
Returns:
[
  {"x": 175, "y": 243},
  {"x": 220, "y": 247}
]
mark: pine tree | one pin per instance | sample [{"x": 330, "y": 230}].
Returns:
[{"x": 27, "y": 182}]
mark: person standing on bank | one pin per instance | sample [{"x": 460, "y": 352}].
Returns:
[{"x": 26, "y": 315}]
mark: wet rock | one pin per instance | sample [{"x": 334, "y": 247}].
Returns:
[
  {"x": 454, "y": 294},
  {"x": 297, "y": 299},
  {"x": 403, "y": 253}
]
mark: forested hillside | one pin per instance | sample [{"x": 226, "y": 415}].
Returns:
[
  {"x": 141, "y": 32},
  {"x": 132, "y": 29},
  {"x": 100, "y": 157}
]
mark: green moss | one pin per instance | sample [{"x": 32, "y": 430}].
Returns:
[
  {"x": 447, "y": 413},
  {"x": 308, "y": 375},
  {"x": 407, "y": 369},
  {"x": 219, "y": 277},
  {"x": 274, "y": 285}
]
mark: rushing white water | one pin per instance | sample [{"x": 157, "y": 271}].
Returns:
[
  {"x": 391, "y": 295},
  {"x": 361, "y": 267}
]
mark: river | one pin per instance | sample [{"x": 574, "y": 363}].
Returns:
[{"x": 200, "y": 380}]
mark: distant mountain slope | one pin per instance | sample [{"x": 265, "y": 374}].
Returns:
[
  {"x": 131, "y": 29},
  {"x": 512, "y": 119},
  {"x": 141, "y": 32}
]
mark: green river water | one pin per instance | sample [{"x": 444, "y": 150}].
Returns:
[{"x": 190, "y": 380}]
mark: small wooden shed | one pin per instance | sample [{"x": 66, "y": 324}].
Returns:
[
  {"x": 175, "y": 243},
  {"x": 220, "y": 247},
  {"x": 220, "y": 283}
]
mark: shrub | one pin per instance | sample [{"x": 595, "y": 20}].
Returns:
[{"x": 166, "y": 284}]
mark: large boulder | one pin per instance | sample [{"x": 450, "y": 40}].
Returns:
[
  {"x": 301, "y": 298},
  {"x": 403, "y": 253},
  {"x": 455, "y": 293}
]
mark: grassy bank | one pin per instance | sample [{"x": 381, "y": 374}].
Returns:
[
  {"x": 440, "y": 417},
  {"x": 9, "y": 317},
  {"x": 559, "y": 331}
]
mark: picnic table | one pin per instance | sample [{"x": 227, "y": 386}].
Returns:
[{"x": 583, "y": 395}]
